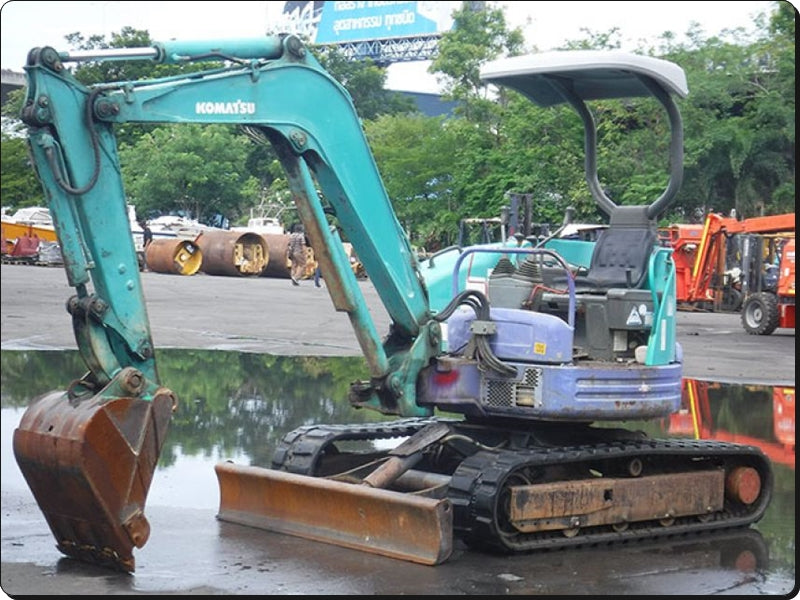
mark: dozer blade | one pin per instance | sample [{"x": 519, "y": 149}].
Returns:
[
  {"x": 89, "y": 465},
  {"x": 395, "y": 524}
]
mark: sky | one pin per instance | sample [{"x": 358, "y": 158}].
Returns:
[{"x": 25, "y": 24}]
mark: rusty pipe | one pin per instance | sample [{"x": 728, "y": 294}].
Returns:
[
  {"x": 174, "y": 256},
  {"x": 232, "y": 253}
]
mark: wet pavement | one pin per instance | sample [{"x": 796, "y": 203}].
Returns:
[{"x": 191, "y": 552}]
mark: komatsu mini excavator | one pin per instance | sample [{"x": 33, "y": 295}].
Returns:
[{"x": 530, "y": 379}]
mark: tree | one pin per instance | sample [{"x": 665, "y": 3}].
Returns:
[
  {"x": 740, "y": 120},
  {"x": 476, "y": 187},
  {"x": 193, "y": 169},
  {"x": 478, "y": 35},
  {"x": 739, "y": 125},
  {"x": 91, "y": 72},
  {"x": 19, "y": 186},
  {"x": 551, "y": 168},
  {"x": 414, "y": 156},
  {"x": 365, "y": 83}
]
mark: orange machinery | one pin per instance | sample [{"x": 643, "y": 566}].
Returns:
[
  {"x": 699, "y": 252},
  {"x": 695, "y": 419}
]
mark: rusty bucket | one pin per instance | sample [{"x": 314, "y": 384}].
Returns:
[
  {"x": 232, "y": 253},
  {"x": 89, "y": 464},
  {"x": 174, "y": 256}
]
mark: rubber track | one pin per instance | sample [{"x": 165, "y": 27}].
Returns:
[
  {"x": 298, "y": 450},
  {"x": 479, "y": 478}
]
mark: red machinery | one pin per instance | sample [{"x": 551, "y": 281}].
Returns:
[
  {"x": 24, "y": 249},
  {"x": 769, "y": 298},
  {"x": 684, "y": 239},
  {"x": 704, "y": 277},
  {"x": 696, "y": 419}
]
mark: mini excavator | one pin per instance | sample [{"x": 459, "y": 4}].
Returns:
[{"x": 506, "y": 402}]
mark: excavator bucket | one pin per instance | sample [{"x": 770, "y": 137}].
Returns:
[
  {"x": 399, "y": 525},
  {"x": 89, "y": 465}
]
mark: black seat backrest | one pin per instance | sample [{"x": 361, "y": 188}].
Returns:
[{"x": 620, "y": 258}]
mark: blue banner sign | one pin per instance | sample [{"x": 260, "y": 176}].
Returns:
[{"x": 350, "y": 21}]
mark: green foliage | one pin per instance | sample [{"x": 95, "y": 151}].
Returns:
[
  {"x": 551, "y": 169},
  {"x": 195, "y": 169},
  {"x": 739, "y": 122},
  {"x": 364, "y": 82},
  {"x": 91, "y": 72},
  {"x": 12, "y": 109},
  {"x": 739, "y": 128},
  {"x": 19, "y": 186},
  {"x": 415, "y": 157},
  {"x": 596, "y": 40},
  {"x": 477, "y": 36}
]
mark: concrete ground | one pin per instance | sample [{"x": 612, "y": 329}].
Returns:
[{"x": 273, "y": 316}]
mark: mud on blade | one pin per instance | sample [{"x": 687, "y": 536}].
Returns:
[{"x": 89, "y": 465}]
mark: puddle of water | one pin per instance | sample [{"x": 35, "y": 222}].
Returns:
[{"x": 238, "y": 405}]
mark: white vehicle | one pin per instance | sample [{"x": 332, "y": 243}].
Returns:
[{"x": 262, "y": 225}]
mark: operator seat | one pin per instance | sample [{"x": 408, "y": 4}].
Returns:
[
  {"x": 614, "y": 305},
  {"x": 621, "y": 255}
]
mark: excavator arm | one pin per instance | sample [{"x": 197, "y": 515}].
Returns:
[{"x": 274, "y": 89}]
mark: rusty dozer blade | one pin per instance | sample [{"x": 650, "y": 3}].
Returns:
[
  {"x": 89, "y": 465},
  {"x": 395, "y": 524}
]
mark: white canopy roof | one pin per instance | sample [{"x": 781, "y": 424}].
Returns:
[{"x": 591, "y": 74}]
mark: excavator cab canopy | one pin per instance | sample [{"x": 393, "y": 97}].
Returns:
[
  {"x": 577, "y": 77},
  {"x": 589, "y": 74}
]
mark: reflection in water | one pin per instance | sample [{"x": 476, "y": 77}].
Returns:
[
  {"x": 229, "y": 403},
  {"x": 238, "y": 405},
  {"x": 744, "y": 553},
  {"x": 712, "y": 411},
  {"x": 725, "y": 562}
]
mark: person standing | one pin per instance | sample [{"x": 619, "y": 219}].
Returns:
[
  {"x": 147, "y": 237},
  {"x": 296, "y": 253}
]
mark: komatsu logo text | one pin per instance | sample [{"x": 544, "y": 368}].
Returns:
[{"x": 225, "y": 108}]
